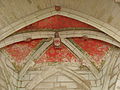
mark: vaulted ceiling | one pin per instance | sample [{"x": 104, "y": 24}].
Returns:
[
  {"x": 25, "y": 19},
  {"x": 22, "y": 44},
  {"x": 15, "y": 14},
  {"x": 87, "y": 32}
]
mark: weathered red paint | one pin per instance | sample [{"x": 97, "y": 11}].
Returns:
[
  {"x": 21, "y": 49},
  {"x": 61, "y": 54},
  {"x": 96, "y": 48},
  {"x": 57, "y": 22}
]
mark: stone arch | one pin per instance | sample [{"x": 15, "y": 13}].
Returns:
[
  {"x": 63, "y": 34},
  {"x": 53, "y": 70},
  {"x": 104, "y": 27},
  {"x": 111, "y": 72},
  {"x": 117, "y": 74}
]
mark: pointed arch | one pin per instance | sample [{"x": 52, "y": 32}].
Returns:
[
  {"x": 104, "y": 27},
  {"x": 52, "y": 70}
]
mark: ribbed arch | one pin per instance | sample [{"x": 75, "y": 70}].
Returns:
[{"x": 104, "y": 27}]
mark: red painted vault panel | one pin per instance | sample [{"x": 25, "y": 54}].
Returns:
[
  {"x": 21, "y": 49},
  {"x": 53, "y": 54},
  {"x": 57, "y": 22},
  {"x": 96, "y": 48}
]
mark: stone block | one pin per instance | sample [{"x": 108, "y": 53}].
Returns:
[
  {"x": 22, "y": 89},
  {"x": 51, "y": 79},
  {"x": 93, "y": 83},
  {"x": 70, "y": 85},
  {"x": 26, "y": 77},
  {"x": 45, "y": 85},
  {"x": 86, "y": 76},
  {"x": 96, "y": 88},
  {"x": 91, "y": 77},
  {"x": 24, "y": 83},
  {"x": 64, "y": 79},
  {"x": 98, "y": 82}
]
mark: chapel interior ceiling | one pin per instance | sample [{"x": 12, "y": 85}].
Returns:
[
  {"x": 91, "y": 47},
  {"x": 50, "y": 38}
]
